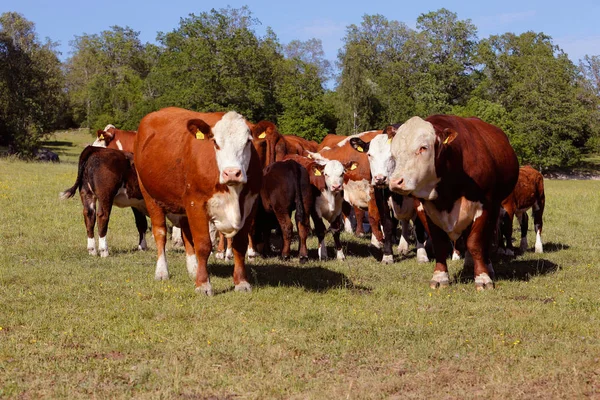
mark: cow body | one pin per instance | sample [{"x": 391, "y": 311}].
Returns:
[
  {"x": 202, "y": 167},
  {"x": 528, "y": 193},
  {"x": 461, "y": 169},
  {"x": 106, "y": 177}
]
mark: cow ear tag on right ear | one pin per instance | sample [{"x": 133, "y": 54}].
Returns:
[
  {"x": 360, "y": 149},
  {"x": 389, "y": 140},
  {"x": 199, "y": 135},
  {"x": 101, "y": 137},
  {"x": 262, "y": 135},
  {"x": 317, "y": 172},
  {"x": 353, "y": 167}
]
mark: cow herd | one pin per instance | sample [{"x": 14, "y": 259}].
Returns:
[{"x": 449, "y": 179}]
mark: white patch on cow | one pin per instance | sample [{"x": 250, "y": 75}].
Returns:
[
  {"x": 539, "y": 248},
  {"x": 348, "y": 225},
  {"x": 205, "y": 288},
  {"x": 403, "y": 244},
  {"x": 176, "y": 237},
  {"x": 103, "y": 247},
  {"x": 224, "y": 210},
  {"x": 122, "y": 200},
  {"x": 483, "y": 279},
  {"x": 109, "y": 126},
  {"x": 463, "y": 214},
  {"x": 212, "y": 232},
  {"x": 347, "y": 139},
  {"x": 91, "y": 246},
  {"x": 119, "y": 144},
  {"x": 243, "y": 286},
  {"x": 524, "y": 245},
  {"x": 329, "y": 205},
  {"x": 387, "y": 259},
  {"x": 99, "y": 143},
  {"x": 316, "y": 156},
  {"x": 233, "y": 138},
  {"x": 358, "y": 193},
  {"x": 375, "y": 242},
  {"x": 421, "y": 253},
  {"x": 322, "y": 251},
  {"x": 220, "y": 255},
  {"x": 251, "y": 253},
  {"x": 404, "y": 211},
  {"x": 413, "y": 149},
  {"x": 455, "y": 255},
  {"x": 440, "y": 277},
  {"x": 143, "y": 245},
  {"x": 161, "y": 273},
  {"x": 229, "y": 254},
  {"x": 340, "y": 255},
  {"x": 381, "y": 161},
  {"x": 191, "y": 263}
]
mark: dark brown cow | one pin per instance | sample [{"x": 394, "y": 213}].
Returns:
[
  {"x": 202, "y": 167},
  {"x": 114, "y": 138},
  {"x": 461, "y": 169},
  {"x": 285, "y": 188},
  {"x": 528, "y": 193},
  {"x": 106, "y": 177},
  {"x": 275, "y": 146},
  {"x": 298, "y": 145}
]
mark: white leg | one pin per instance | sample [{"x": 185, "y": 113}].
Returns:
[
  {"x": 229, "y": 254},
  {"x": 348, "y": 225},
  {"x": 340, "y": 255},
  {"x": 176, "y": 237},
  {"x": 455, "y": 255},
  {"x": 375, "y": 242},
  {"x": 91, "y": 246},
  {"x": 322, "y": 251},
  {"x": 387, "y": 259},
  {"x": 421, "y": 253},
  {"x": 103, "y": 247},
  {"x": 251, "y": 253},
  {"x": 205, "y": 288},
  {"x": 439, "y": 279},
  {"x": 243, "y": 286},
  {"x": 538, "y": 243},
  {"x": 483, "y": 281},
  {"x": 403, "y": 245},
  {"x": 161, "y": 273},
  {"x": 191, "y": 263}
]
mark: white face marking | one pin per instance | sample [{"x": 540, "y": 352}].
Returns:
[
  {"x": 347, "y": 139},
  {"x": 413, "y": 148},
  {"x": 232, "y": 136},
  {"x": 334, "y": 174},
  {"x": 381, "y": 161}
]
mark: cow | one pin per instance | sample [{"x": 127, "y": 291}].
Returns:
[
  {"x": 299, "y": 145},
  {"x": 331, "y": 140},
  {"x": 392, "y": 206},
  {"x": 106, "y": 177},
  {"x": 528, "y": 193},
  {"x": 113, "y": 138},
  {"x": 327, "y": 180},
  {"x": 285, "y": 188},
  {"x": 461, "y": 169},
  {"x": 202, "y": 167}
]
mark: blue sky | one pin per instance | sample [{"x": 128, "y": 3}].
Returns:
[{"x": 573, "y": 25}]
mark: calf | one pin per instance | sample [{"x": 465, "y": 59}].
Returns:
[
  {"x": 461, "y": 169},
  {"x": 392, "y": 206},
  {"x": 285, "y": 188},
  {"x": 528, "y": 193},
  {"x": 202, "y": 167},
  {"x": 107, "y": 177}
]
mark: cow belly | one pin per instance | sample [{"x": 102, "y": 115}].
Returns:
[
  {"x": 404, "y": 211},
  {"x": 358, "y": 193},
  {"x": 122, "y": 200},
  {"x": 224, "y": 211},
  {"x": 328, "y": 206},
  {"x": 463, "y": 213}
]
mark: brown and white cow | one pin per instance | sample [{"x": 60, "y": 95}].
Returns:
[
  {"x": 461, "y": 169},
  {"x": 299, "y": 145},
  {"x": 202, "y": 167},
  {"x": 392, "y": 206},
  {"x": 106, "y": 177},
  {"x": 113, "y": 138},
  {"x": 285, "y": 188},
  {"x": 528, "y": 193}
]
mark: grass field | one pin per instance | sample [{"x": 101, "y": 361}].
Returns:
[{"x": 76, "y": 326}]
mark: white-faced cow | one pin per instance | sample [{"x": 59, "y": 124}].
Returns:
[
  {"x": 202, "y": 167},
  {"x": 461, "y": 169}
]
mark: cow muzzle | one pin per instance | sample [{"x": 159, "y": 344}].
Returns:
[
  {"x": 232, "y": 176},
  {"x": 398, "y": 186},
  {"x": 336, "y": 188},
  {"x": 380, "y": 180}
]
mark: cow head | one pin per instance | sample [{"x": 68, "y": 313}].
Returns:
[
  {"x": 333, "y": 172},
  {"x": 379, "y": 152},
  {"x": 104, "y": 137},
  {"x": 232, "y": 140},
  {"x": 275, "y": 147},
  {"x": 415, "y": 149}
]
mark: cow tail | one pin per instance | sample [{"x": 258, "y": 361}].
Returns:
[
  {"x": 299, "y": 203},
  {"x": 85, "y": 154}
]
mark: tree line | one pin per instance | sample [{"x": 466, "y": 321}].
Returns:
[{"x": 386, "y": 72}]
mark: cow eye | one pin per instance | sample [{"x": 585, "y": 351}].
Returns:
[
  {"x": 422, "y": 149},
  {"x": 216, "y": 145}
]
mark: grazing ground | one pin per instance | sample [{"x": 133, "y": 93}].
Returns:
[{"x": 76, "y": 326}]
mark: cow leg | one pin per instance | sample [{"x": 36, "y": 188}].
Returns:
[
  {"x": 478, "y": 245},
  {"x": 159, "y": 231},
  {"x": 439, "y": 238},
  {"x": 287, "y": 229},
  {"x": 404, "y": 237},
  {"x": 141, "y": 224},
  {"x": 229, "y": 250},
  {"x": 303, "y": 229},
  {"x": 336, "y": 229},
  {"x": 346, "y": 211},
  {"x": 103, "y": 215},
  {"x": 360, "y": 216},
  {"x": 319, "y": 231},
  {"x": 523, "y": 219},
  {"x": 89, "y": 217},
  {"x": 420, "y": 239},
  {"x": 374, "y": 221},
  {"x": 240, "y": 245},
  {"x": 191, "y": 262},
  {"x": 251, "y": 252},
  {"x": 507, "y": 217},
  {"x": 388, "y": 226},
  {"x": 200, "y": 234},
  {"x": 176, "y": 238},
  {"x": 538, "y": 211},
  {"x": 220, "y": 254}
]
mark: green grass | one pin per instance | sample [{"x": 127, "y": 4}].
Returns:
[{"x": 76, "y": 326}]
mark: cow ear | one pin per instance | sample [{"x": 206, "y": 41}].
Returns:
[
  {"x": 318, "y": 169},
  {"x": 448, "y": 135},
  {"x": 200, "y": 129},
  {"x": 359, "y": 145},
  {"x": 390, "y": 131},
  {"x": 350, "y": 166},
  {"x": 100, "y": 133}
]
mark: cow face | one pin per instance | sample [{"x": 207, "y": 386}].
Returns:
[
  {"x": 233, "y": 141},
  {"x": 103, "y": 137},
  {"x": 334, "y": 176},
  {"x": 379, "y": 152},
  {"x": 414, "y": 150}
]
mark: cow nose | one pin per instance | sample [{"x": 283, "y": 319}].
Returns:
[
  {"x": 380, "y": 179},
  {"x": 397, "y": 184},
  {"x": 336, "y": 188},
  {"x": 232, "y": 175}
]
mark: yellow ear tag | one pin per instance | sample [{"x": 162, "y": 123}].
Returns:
[
  {"x": 389, "y": 140},
  {"x": 317, "y": 172},
  {"x": 359, "y": 149},
  {"x": 446, "y": 141},
  {"x": 101, "y": 137},
  {"x": 199, "y": 135},
  {"x": 309, "y": 156},
  {"x": 262, "y": 135},
  {"x": 353, "y": 167}
]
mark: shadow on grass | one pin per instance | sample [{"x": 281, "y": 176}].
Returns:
[
  {"x": 57, "y": 144},
  {"x": 274, "y": 272},
  {"x": 512, "y": 270}
]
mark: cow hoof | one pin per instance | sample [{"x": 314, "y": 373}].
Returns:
[
  {"x": 360, "y": 235},
  {"x": 387, "y": 259},
  {"x": 205, "y": 288},
  {"x": 439, "y": 284},
  {"x": 376, "y": 243},
  {"x": 220, "y": 255},
  {"x": 501, "y": 251},
  {"x": 524, "y": 245},
  {"x": 285, "y": 257},
  {"x": 455, "y": 256},
  {"x": 539, "y": 249},
  {"x": 340, "y": 255},
  {"x": 229, "y": 254},
  {"x": 509, "y": 253},
  {"x": 243, "y": 286},
  {"x": 104, "y": 253},
  {"x": 161, "y": 276},
  {"x": 142, "y": 248},
  {"x": 483, "y": 282},
  {"x": 422, "y": 256},
  {"x": 323, "y": 258},
  {"x": 92, "y": 252},
  {"x": 303, "y": 259}
]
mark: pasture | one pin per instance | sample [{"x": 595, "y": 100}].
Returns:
[{"x": 77, "y": 326}]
